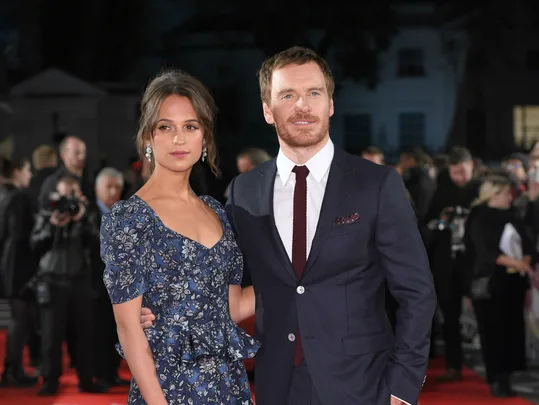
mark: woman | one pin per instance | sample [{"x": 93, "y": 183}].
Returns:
[
  {"x": 175, "y": 253},
  {"x": 498, "y": 283},
  {"x": 17, "y": 265}
]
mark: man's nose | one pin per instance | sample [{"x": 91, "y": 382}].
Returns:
[{"x": 302, "y": 104}]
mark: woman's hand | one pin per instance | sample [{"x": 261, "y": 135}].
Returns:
[{"x": 523, "y": 268}]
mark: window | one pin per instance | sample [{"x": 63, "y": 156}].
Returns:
[
  {"x": 526, "y": 125},
  {"x": 358, "y": 131},
  {"x": 411, "y": 129},
  {"x": 411, "y": 63}
]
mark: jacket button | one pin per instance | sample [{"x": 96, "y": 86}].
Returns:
[
  {"x": 300, "y": 290},
  {"x": 291, "y": 337}
]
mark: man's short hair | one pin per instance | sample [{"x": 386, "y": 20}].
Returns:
[
  {"x": 458, "y": 154},
  {"x": 372, "y": 150},
  {"x": 42, "y": 156},
  {"x": 65, "y": 141},
  {"x": 109, "y": 172},
  {"x": 68, "y": 179},
  {"x": 257, "y": 156}
]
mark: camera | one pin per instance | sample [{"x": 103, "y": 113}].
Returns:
[
  {"x": 64, "y": 204},
  {"x": 454, "y": 220}
]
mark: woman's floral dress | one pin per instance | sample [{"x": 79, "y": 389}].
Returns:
[{"x": 198, "y": 350}]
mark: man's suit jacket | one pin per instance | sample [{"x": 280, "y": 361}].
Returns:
[{"x": 367, "y": 234}]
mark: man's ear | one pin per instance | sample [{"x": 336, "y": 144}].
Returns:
[{"x": 268, "y": 115}]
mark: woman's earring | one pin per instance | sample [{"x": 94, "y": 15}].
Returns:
[
  {"x": 149, "y": 153},
  {"x": 204, "y": 151}
]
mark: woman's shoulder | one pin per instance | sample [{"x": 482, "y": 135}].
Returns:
[
  {"x": 130, "y": 214},
  {"x": 215, "y": 204}
]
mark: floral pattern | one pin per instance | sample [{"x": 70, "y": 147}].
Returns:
[{"x": 198, "y": 350}]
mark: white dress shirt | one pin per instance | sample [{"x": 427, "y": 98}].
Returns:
[{"x": 283, "y": 195}]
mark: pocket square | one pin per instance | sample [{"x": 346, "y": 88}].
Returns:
[{"x": 350, "y": 219}]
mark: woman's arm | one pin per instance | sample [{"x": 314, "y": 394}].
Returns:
[
  {"x": 241, "y": 302},
  {"x": 137, "y": 351}
]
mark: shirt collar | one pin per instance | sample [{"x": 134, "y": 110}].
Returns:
[
  {"x": 103, "y": 209},
  {"x": 318, "y": 165}
]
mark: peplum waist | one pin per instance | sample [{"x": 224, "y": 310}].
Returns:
[{"x": 187, "y": 341}]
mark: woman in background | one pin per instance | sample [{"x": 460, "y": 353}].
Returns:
[
  {"x": 17, "y": 265},
  {"x": 498, "y": 283}
]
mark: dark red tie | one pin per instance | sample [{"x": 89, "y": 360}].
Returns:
[{"x": 299, "y": 237}]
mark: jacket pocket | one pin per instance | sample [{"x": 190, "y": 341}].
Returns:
[{"x": 363, "y": 344}]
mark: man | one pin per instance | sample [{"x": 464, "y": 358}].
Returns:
[
  {"x": 64, "y": 288},
  {"x": 248, "y": 159},
  {"x": 45, "y": 162},
  {"x": 456, "y": 190},
  {"x": 108, "y": 189},
  {"x": 73, "y": 154},
  {"x": 374, "y": 154},
  {"x": 321, "y": 231},
  {"x": 417, "y": 180},
  {"x": 72, "y": 151}
]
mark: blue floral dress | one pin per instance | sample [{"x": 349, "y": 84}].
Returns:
[{"x": 198, "y": 350}]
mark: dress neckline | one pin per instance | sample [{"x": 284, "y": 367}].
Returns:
[{"x": 182, "y": 236}]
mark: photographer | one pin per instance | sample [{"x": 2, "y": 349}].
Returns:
[
  {"x": 456, "y": 191},
  {"x": 64, "y": 284}
]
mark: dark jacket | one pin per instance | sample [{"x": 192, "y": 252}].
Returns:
[
  {"x": 49, "y": 186},
  {"x": 38, "y": 178},
  {"x": 445, "y": 266},
  {"x": 340, "y": 309},
  {"x": 17, "y": 263},
  {"x": 66, "y": 247},
  {"x": 421, "y": 187}
]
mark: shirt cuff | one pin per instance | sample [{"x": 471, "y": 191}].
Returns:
[{"x": 402, "y": 400}]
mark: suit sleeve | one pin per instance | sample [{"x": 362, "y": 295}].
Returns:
[
  {"x": 230, "y": 213},
  {"x": 409, "y": 280}
]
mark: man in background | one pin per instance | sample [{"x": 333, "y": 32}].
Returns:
[
  {"x": 45, "y": 163},
  {"x": 374, "y": 154},
  {"x": 108, "y": 190}
]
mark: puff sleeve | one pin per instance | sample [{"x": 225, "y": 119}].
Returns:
[{"x": 124, "y": 246}]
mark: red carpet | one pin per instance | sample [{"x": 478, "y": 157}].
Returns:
[{"x": 472, "y": 391}]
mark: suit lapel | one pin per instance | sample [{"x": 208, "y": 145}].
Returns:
[
  {"x": 339, "y": 181},
  {"x": 265, "y": 201}
]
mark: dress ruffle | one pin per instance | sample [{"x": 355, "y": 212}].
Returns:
[{"x": 188, "y": 343}]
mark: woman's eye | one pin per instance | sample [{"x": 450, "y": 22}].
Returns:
[
  {"x": 164, "y": 128},
  {"x": 191, "y": 127}
]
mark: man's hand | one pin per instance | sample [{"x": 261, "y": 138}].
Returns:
[
  {"x": 59, "y": 220},
  {"x": 146, "y": 318},
  {"x": 396, "y": 401},
  {"x": 80, "y": 214}
]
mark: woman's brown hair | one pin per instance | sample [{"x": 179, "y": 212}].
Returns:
[{"x": 176, "y": 82}]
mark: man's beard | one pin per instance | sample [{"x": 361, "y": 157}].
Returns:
[{"x": 303, "y": 137}]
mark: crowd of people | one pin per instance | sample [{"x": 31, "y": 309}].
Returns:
[
  {"x": 51, "y": 267},
  {"x": 463, "y": 209}
]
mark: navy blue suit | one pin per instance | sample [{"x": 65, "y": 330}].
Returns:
[{"x": 350, "y": 350}]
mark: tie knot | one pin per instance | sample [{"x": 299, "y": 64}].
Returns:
[{"x": 301, "y": 171}]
